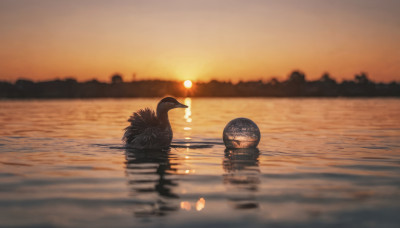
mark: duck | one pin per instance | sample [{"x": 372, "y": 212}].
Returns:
[{"x": 151, "y": 130}]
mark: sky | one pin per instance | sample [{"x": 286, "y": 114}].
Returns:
[{"x": 199, "y": 39}]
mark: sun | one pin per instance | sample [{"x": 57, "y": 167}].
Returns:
[{"x": 188, "y": 84}]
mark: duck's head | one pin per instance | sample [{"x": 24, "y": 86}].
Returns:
[{"x": 169, "y": 103}]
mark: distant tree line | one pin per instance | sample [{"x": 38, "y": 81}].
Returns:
[{"x": 295, "y": 86}]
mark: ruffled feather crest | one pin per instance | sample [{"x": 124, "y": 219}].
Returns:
[{"x": 142, "y": 120}]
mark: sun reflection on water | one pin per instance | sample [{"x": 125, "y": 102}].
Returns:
[
  {"x": 188, "y": 111},
  {"x": 188, "y": 118},
  {"x": 187, "y": 206},
  {"x": 200, "y": 204}
]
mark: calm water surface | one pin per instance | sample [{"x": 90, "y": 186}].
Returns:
[{"x": 320, "y": 163}]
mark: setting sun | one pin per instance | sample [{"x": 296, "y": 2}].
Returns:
[{"x": 188, "y": 84}]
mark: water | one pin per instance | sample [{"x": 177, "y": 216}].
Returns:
[{"x": 320, "y": 163}]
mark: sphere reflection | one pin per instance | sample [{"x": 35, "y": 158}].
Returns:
[{"x": 242, "y": 177}]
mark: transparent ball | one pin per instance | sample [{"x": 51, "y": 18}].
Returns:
[{"x": 241, "y": 133}]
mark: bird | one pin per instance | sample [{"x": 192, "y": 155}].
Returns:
[{"x": 151, "y": 130}]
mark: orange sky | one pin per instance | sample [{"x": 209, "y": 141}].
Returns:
[{"x": 199, "y": 39}]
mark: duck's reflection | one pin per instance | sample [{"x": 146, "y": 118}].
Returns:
[
  {"x": 242, "y": 177},
  {"x": 151, "y": 183}
]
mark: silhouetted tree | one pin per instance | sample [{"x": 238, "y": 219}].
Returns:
[
  {"x": 273, "y": 81},
  {"x": 71, "y": 81},
  {"x": 295, "y": 85},
  {"x": 116, "y": 79},
  {"x": 23, "y": 83},
  {"x": 326, "y": 78},
  {"x": 297, "y": 77},
  {"x": 361, "y": 78}
]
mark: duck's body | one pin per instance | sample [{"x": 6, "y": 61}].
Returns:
[{"x": 149, "y": 130}]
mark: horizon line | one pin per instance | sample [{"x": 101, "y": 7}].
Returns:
[{"x": 235, "y": 81}]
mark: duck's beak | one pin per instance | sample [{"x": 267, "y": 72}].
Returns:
[{"x": 181, "y": 106}]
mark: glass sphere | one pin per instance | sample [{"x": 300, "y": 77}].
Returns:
[{"x": 241, "y": 133}]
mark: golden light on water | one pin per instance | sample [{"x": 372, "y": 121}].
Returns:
[
  {"x": 200, "y": 204},
  {"x": 185, "y": 205},
  {"x": 188, "y": 118},
  {"x": 188, "y": 111},
  {"x": 188, "y": 84}
]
